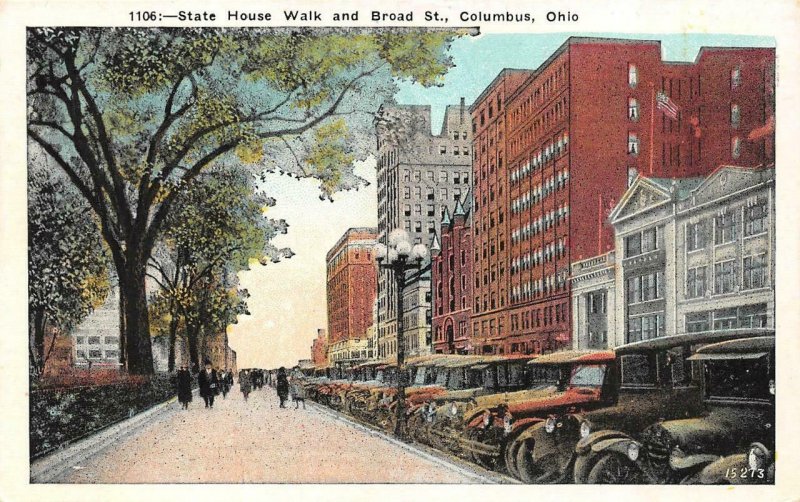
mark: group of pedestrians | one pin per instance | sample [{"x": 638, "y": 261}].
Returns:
[
  {"x": 211, "y": 381},
  {"x": 293, "y": 385}
]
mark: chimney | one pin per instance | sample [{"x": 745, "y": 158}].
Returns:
[{"x": 461, "y": 111}]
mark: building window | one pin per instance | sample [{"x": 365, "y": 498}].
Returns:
[
  {"x": 644, "y": 327},
  {"x": 633, "y": 75},
  {"x": 596, "y": 303},
  {"x": 756, "y": 217},
  {"x": 695, "y": 236},
  {"x": 633, "y": 109},
  {"x": 406, "y": 192},
  {"x": 80, "y": 339},
  {"x": 641, "y": 243},
  {"x": 724, "y": 277},
  {"x": 755, "y": 271},
  {"x": 696, "y": 282},
  {"x": 644, "y": 288},
  {"x": 112, "y": 354},
  {"x": 633, "y": 143},
  {"x": 633, "y": 245},
  {"x": 736, "y": 77},
  {"x": 94, "y": 340},
  {"x": 95, "y": 354},
  {"x": 725, "y": 319},
  {"x": 725, "y": 226},
  {"x": 697, "y": 322},
  {"x": 110, "y": 340},
  {"x": 736, "y": 147},
  {"x": 443, "y": 149},
  {"x": 81, "y": 354},
  {"x": 736, "y": 116}
]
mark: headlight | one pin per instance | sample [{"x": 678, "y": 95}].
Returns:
[
  {"x": 772, "y": 387},
  {"x": 486, "y": 418},
  {"x": 453, "y": 409},
  {"x": 757, "y": 456},
  {"x": 550, "y": 424},
  {"x": 586, "y": 429},
  {"x": 633, "y": 451},
  {"x": 507, "y": 419}
]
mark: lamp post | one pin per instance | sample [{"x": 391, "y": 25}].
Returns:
[{"x": 399, "y": 257}]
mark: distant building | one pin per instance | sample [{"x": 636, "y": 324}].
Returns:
[
  {"x": 419, "y": 174},
  {"x": 96, "y": 340},
  {"x": 217, "y": 350},
  {"x": 696, "y": 254},
  {"x": 452, "y": 282},
  {"x": 351, "y": 285},
  {"x": 350, "y": 352},
  {"x": 319, "y": 349}
]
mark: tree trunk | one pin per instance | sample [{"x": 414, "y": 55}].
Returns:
[
  {"x": 191, "y": 336},
  {"x": 38, "y": 340},
  {"x": 173, "y": 332},
  {"x": 133, "y": 299}
]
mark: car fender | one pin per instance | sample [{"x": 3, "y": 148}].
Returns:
[
  {"x": 585, "y": 444},
  {"x": 715, "y": 472},
  {"x": 615, "y": 445},
  {"x": 681, "y": 462},
  {"x": 519, "y": 426}
]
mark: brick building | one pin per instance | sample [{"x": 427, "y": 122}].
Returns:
[
  {"x": 319, "y": 349},
  {"x": 555, "y": 149},
  {"x": 419, "y": 173},
  {"x": 452, "y": 282},
  {"x": 351, "y": 285}
]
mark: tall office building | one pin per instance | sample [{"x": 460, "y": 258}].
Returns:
[
  {"x": 419, "y": 173},
  {"x": 556, "y": 147}
]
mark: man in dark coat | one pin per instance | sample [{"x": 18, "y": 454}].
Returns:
[
  {"x": 282, "y": 386},
  {"x": 208, "y": 384},
  {"x": 184, "y": 387}
]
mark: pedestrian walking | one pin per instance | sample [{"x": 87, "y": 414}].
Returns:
[
  {"x": 297, "y": 387},
  {"x": 184, "y": 387},
  {"x": 223, "y": 383},
  {"x": 209, "y": 384},
  {"x": 244, "y": 383},
  {"x": 282, "y": 386}
]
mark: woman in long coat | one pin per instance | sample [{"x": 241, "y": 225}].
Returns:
[
  {"x": 184, "y": 387},
  {"x": 282, "y": 386},
  {"x": 297, "y": 387}
]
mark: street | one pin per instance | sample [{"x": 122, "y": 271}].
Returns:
[{"x": 257, "y": 442}]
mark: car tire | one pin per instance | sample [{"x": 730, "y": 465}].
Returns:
[
  {"x": 614, "y": 468},
  {"x": 511, "y": 458}
]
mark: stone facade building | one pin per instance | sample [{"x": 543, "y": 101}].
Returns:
[
  {"x": 417, "y": 312},
  {"x": 419, "y": 173},
  {"x": 96, "y": 339},
  {"x": 695, "y": 254},
  {"x": 593, "y": 303}
]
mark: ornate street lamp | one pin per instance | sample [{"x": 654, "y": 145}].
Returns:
[{"x": 399, "y": 257}]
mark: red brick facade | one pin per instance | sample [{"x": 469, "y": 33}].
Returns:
[
  {"x": 352, "y": 285},
  {"x": 552, "y": 155},
  {"x": 319, "y": 349},
  {"x": 452, "y": 285}
]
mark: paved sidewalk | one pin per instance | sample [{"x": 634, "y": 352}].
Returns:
[{"x": 257, "y": 442}]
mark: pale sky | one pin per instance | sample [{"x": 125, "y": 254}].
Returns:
[{"x": 287, "y": 302}]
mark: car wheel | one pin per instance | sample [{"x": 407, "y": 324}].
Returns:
[
  {"x": 614, "y": 469},
  {"x": 535, "y": 471},
  {"x": 485, "y": 461},
  {"x": 511, "y": 458}
]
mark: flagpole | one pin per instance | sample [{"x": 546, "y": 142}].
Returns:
[{"x": 652, "y": 121}]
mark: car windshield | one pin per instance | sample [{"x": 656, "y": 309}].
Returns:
[
  {"x": 379, "y": 376},
  {"x": 738, "y": 379},
  {"x": 588, "y": 375},
  {"x": 441, "y": 378},
  {"x": 419, "y": 378}
]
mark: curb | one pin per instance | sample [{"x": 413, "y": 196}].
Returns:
[
  {"x": 432, "y": 456},
  {"x": 49, "y": 468}
]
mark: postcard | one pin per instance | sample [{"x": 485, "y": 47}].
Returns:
[{"x": 359, "y": 250}]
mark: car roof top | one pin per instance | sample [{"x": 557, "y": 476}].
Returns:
[
  {"x": 574, "y": 356},
  {"x": 704, "y": 337},
  {"x": 753, "y": 344}
]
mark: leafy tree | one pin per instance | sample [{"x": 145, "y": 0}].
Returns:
[
  {"x": 67, "y": 262},
  {"x": 216, "y": 229},
  {"x": 133, "y": 116}
]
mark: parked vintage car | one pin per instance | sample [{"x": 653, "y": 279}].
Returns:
[
  {"x": 737, "y": 390},
  {"x": 654, "y": 381},
  {"x": 465, "y": 378},
  {"x": 484, "y": 429}
]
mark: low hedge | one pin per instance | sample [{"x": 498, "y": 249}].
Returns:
[{"x": 60, "y": 415}]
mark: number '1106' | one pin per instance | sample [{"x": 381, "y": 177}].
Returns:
[{"x": 146, "y": 15}]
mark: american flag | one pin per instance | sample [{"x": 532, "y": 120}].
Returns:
[{"x": 666, "y": 105}]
